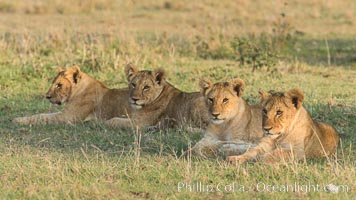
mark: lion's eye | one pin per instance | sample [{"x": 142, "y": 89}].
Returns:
[
  {"x": 146, "y": 87},
  {"x": 133, "y": 85},
  {"x": 59, "y": 86},
  {"x": 225, "y": 100},
  {"x": 279, "y": 112},
  {"x": 210, "y": 100},
  {"x": 264, "y": 111}
]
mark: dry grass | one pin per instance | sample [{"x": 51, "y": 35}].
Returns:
[
  {"x": 315, "y": 18},
  {"x": 92, "y": 161}
]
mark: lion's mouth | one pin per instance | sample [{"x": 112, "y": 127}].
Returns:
[
  {"x": 136, "y": 106},
  {"x": 217, "y": 121},
  {"x": 272, "y": 136},
  {"x": 55, "y": 102}
]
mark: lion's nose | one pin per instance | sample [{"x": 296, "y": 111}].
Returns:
[
  {"x": 134, "y": 99},
  {"x": 215, "y": 115},
  {"x": 267, "y": 129}
]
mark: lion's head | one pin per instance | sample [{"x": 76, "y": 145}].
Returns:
[
  {"x": 279, "y": 110},
  {"x": 222, "y": 98},
  {"x": 62, "y": 85},
  {"x": 144, "y": 86}
]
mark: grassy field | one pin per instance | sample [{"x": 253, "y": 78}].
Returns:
[{"x": 315, "y": 51}]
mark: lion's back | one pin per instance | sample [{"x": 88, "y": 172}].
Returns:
[
  {"x": 328, "y": 138},
  {"x": 114, "y": 103},
  {"x": 188, "y": 108}
]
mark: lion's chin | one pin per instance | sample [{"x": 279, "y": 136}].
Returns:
[
  {"x": 56, "y": 103},
  {"x": 136, "y": 106},
  {"x": 217, "y": 121},
  {"x": 272, "y": 136}
]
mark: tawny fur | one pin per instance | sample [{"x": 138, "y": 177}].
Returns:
[
  {"x": 234, "y": 125},
  {"x": 291, "y": 134},
  {"x": 85, "y": 98},
  {"x": 157, "y": 103}
]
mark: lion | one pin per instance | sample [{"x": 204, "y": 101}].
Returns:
[
  {"x": 234, "y": 125},
  {"x": 85, "y": 98},
  {"x": 290, "y": 132},
  {"x": 158, "y": 104}
]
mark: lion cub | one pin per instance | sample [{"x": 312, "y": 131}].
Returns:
[
  {"x": 233, "y": 123},
  {"x": 156, "y": 102},
  {"x": 290, "y": 132},
  {"x": 85, "y": 98}
]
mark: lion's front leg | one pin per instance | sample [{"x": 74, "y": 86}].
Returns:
[
  {"x": 207, "y": 147},
  {"x": 120, "y": 122},
  {"x": 45, "y": 118},
  {"x": 266, "y": 145},
  {"x": 249, "y": 154},
  {"x": 238, "y": 159},
  {"x": 70, "y": 114},
  {"x": 286, "y": 153},
  {"x": 235, "y": 148}
]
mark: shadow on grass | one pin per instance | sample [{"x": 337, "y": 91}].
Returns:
[{"x": 97, "y": 137}]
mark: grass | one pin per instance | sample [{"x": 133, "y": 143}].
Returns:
[{"x": 93, "y": 161}]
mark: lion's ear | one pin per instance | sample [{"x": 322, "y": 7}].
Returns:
[
  {"x": 73, "y": 68},
  {"x": 130, "y": 71},
  {"x": 73, "y": 72},
  {"x": 60, "y": 69},
  {"x": 159, "y": 75},
  {"x": 263, "y": 95},
  {"x": 238, "y": 86},
  {"x": 76, "y": 74},
  {"x": 205, "y": 84},
  {"x": 296, "y": 96}
]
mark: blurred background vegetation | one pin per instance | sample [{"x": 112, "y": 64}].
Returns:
[{"x": 256, "y": 34}]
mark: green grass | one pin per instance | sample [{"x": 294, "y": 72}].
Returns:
[{"x": 92, "y": 161}]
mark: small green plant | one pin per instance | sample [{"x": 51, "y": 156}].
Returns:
[
  {"x": 284, "y": 34},
  {"x": 216, "y": 47},
  {"x": 202, "y": 48},
  {"x": 256, "y": 53},
  {"x": 265, "y": 50}
]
